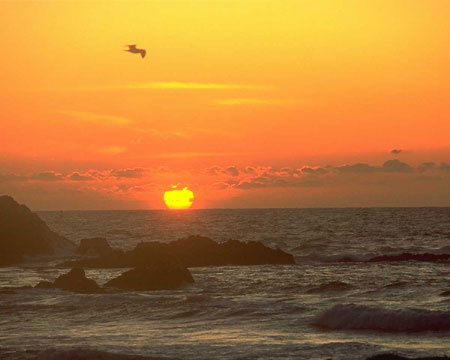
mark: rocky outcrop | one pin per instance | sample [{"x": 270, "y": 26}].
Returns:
[
  {"x": 45, "y": 285},
  {"x": 75, "y": 280},
  {"x": 201, "y": 251},
  {"x": 427, "y": 257},
  {"x": 94, "y": 246},
  {"x": 23, "y": 233},
  {"x": 162, "y": 274},
  {"x": 389, "y": 356},
  {"x": 192, "y": 251}
]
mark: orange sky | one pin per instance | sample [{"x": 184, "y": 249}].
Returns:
[{"x": 225, "y": 84}]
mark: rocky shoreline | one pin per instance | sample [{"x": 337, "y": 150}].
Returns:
[{"x": 154, "y": 265}]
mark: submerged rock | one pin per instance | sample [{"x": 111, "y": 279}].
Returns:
[
  {"x": 160, "y": 275},
  {"x": 94, "y": 246},
  {"x": 192, "y": 251},
  {"x": 75, "y": 280},
  {"x": 389, "y": 356},
  {"x": 427, "y": 257},
  {"x": 23, "y": 233}
]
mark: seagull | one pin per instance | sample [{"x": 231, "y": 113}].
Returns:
[{"x": 134, "y": 50}]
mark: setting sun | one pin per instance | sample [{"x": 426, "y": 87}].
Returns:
[{"x": 178, "y": 199}]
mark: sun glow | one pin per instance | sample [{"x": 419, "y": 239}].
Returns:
[{"x": 178, "y": 199}]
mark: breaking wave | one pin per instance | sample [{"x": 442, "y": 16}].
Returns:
[{"x": 362, "y": 317}]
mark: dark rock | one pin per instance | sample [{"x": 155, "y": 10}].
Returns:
[
  {"x": 94, "y": 246},
  {"x": 445, "y": 293},
  {"x": 45, "y": 285},
  {"x": 427, "y": 257},
  {"x": 399, "y": 357},
  {"x": 163, "y": 274},
  {"x": 23, "y": 233},
  {"x": 75, "y": 280},
  {"x": 192, "y": 251}
]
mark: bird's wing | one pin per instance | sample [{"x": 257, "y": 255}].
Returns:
[
  {"x": 132, "y": 46},
  {"x": 143, "y": 52}
]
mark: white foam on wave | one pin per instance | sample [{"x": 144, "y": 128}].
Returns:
[{"x": 362, "y": 317}]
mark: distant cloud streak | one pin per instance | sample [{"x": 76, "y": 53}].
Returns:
[
  {"x": 251, "y": 101},
  {"x": 178, "y": 85},
  {"x": 113, "y": 150},
  {"x": 96, "y": 118}
]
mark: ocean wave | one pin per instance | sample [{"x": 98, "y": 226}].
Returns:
[
  {"x": 382, "y": 254},
  {"x": 362, "y": 317},
  {"x": 331, "y": 286},
  {"x": 197, "y": 298},
  {"x": 396, "y": 284},
  {"x": 391, "y": 356},
  {"x": 88, "y": 354},
  {"x": 333, "y": 258}
]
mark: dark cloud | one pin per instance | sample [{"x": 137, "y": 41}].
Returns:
[
  {"x": 76, "y": 176},
  {"x": 47, "y": 176},
  {"x": 276, "y": 179},
  {"x": 444, "y": 167},
  {"x": 396, "y": 166},
  {"x": 426, "y": 166},
  {"x": 285, "y": 171},
  {"x": 313, "y": 170},
  {"x": 214, "y": 170},
  {"x": 11, "y": 178},
  {"x": 389, "y": 166},
  {"x": 232, "y": 170},
  {"x": 128, "y": 173},
  {"x": 221, "y": 185},
  {"x": 396, "y": 151},
  {"x": 357, "y": 168},
  {"x": 309, "y": 176},
  {"x": 143, "y": 188}
]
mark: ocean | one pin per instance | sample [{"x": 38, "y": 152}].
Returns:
[{"x": 319, "y": 308}]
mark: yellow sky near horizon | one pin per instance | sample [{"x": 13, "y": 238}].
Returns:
[{"x": 224, "y": 83}]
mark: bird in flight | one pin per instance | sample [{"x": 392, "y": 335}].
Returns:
[{"x": 134, "y": 50}]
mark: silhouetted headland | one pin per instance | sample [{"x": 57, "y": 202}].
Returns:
[{"x": 23, "y": 233}]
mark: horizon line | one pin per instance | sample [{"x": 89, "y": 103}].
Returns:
[{"x": 256, "y": 208}]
